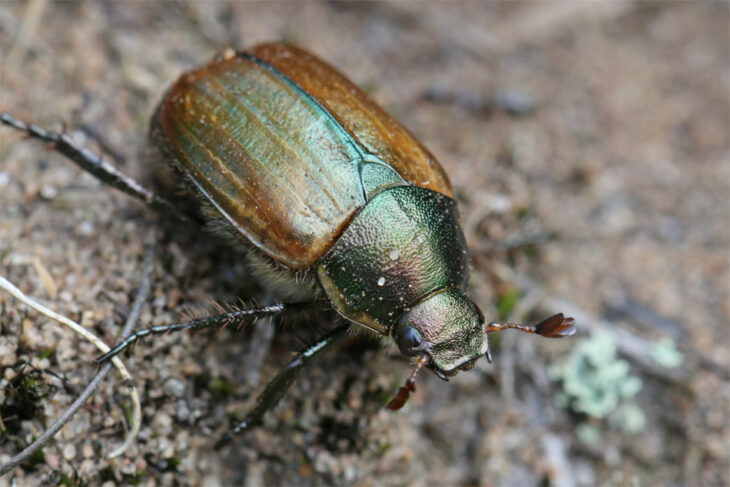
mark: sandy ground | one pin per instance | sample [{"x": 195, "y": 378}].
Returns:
[{"x": 595, "y": 131}]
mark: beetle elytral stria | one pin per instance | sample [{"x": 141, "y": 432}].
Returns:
[{"x": 329, "y": 196}]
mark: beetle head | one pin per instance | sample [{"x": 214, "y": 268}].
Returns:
[
  {"x": 448, "y": 328},
  {"x": 446, "y": 331}
]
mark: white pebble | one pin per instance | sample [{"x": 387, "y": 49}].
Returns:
[{"x": 69, "y": 452}]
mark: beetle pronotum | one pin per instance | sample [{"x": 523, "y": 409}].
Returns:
[{"x": 328, "y": 195}]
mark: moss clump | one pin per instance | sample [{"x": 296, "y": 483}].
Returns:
[{"x": 507, "y": 302}]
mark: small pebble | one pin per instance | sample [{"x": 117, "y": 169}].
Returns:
[
  {"x": 87, "y": 451},
  {"x": 49, "y": 192},
  {"x": 86, "y": 228},
  {"x": 52, "y": 460},
  {"x": 88, "y": 467},
  {"x": 69, "y": 451},
  {"x": 326, "y": 463},
  {"x": 182, "y": 411},
  {"x": 174, "y": 387},
  {"x": 514, "y": 102},
  {"x": 163, "y": 422},
  {"x": 350, "y": 474},
  {"x": 140, "y": 464}
]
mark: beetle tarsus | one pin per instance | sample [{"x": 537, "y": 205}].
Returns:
[{"x": 401, "y": 397}]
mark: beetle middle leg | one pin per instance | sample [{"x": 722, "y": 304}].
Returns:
[
  {"x": 277, "y": 387},
  {"x": 95, "y": 165}
]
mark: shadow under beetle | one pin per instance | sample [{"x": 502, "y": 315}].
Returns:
[{"x": 330, "y": 197}]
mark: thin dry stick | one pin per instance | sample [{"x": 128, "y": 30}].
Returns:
[
  {"x": 96, "y": 379},
  {"x": 80, "y": 330}
]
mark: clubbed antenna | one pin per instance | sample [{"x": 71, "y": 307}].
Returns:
[
  {"x": 401, "y": 397},
  {"x": 557, "y": 326}
]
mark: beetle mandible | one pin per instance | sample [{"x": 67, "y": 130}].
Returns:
[{"x": 328, "y": 195}]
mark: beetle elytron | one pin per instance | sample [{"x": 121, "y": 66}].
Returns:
[{"x": 329, "y": 196}]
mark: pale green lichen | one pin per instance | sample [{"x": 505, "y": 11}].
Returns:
[
  {"x": 665, "y": 354},
  {"x": 588, "y": 434},
  {"x": 595, "y": 381}
]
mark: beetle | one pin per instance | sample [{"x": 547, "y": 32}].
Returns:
[{"x": 329, "y": 198}]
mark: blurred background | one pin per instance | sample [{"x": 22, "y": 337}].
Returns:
[{"x": 587, "y": 143}]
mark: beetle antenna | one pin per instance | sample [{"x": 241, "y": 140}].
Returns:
[
  {"x": 401, "y": 397},
  {"x": 557, "y": 326}
]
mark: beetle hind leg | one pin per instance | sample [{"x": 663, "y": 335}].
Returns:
[{"x": 94, "y": 164}]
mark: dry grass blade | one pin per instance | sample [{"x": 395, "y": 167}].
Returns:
[{"x": 98, "y": 377}]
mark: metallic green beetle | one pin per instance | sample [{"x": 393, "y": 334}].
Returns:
[{"x": 329, "y": 196}]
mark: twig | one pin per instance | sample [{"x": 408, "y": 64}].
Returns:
[
  {"x": 132, "y": 318},
  {"x": 75, "y": 327},
  {"x": 96, "y": 379}
]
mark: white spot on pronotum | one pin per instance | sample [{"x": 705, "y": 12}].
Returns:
[
  {"x": 381, "y": 281},
  {"x": 394, "y": 254}
]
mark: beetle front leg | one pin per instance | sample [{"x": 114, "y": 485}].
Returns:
[
  {"x": 234, "y": 318},
  {"x": 277, "y": 387},
  {"x": 557, "y": 326},
  {"x": 94, "y": 164}
]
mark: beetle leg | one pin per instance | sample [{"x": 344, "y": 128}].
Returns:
[
  {"x": 94, "y": 164},
  {"x": 277, "y": 387},
  {"x": 234, "y": 318},
  {"x": 557, "y": 326}
]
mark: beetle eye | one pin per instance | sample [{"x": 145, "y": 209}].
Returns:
[{"x": 408, "y": 339}]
